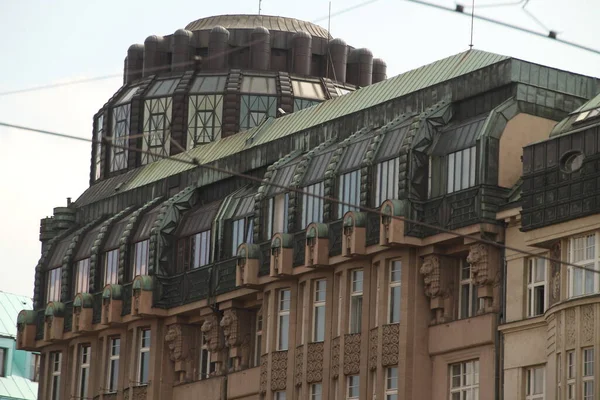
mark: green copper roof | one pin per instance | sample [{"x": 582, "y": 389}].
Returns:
[
  {"x": 17, "y": 387},
  {"x": 10, "y": 306}
]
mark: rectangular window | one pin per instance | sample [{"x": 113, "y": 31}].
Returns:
[
  {"x": 319, "y": 310},
  {"x": 353, "y": 387},
  {"x": 34, "y": 367},
  {"x": 205, "y": 116},
  {"x": 55, "y": 368},
  {"x": 54, "y": 283},
  {"x": 582, "y": 252},
  {"x": 258, "y": 339},
  {"x": 312, "y": 207},
  {"x": 559, "y": 369},
  {"x": 242, "y": 232},
  {"x": 536, "y": 287},
  {"x": 206, "y": 366},
  {"x": 534, "y": 389},
  {"x": 84, "y": 371},
  {"x": 394, "y": 292},
  {"x": 112, "y": 375},
  {"x": 111, "y": 267},
  {"x": 279, "y": 395},
  {"x": 461, "y": 169},
  {"x": 588, "y": 374},
  {"x": 98, "y": 147},
  {"x": 256, "y": 109},
  {"x": 387, "y": 181},
  {"x": 283, "y": 329},
  {"x": 467, "y": 300},
  {"x": 278, "y": 214},
  {"x": 82, "y": 276},
  {"x": 356, "y": 300},
  {"x": 464, "y": 380},
  {"x": 144, "y": 357},
  {"x": 157, "y": 129},
  {"x": 194, "y": 251},
  {"x": 316, "y": 391},
  {"x": 120, "y": 137},
  {"x": 140, "y": 258},
  {"x": 391, "y": 384},
  {"x": 3, "y": 354},
  {"x": 571, "y": 375},
  {"x": 348, "y": 192}
]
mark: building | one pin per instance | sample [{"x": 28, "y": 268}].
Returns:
[
  {"x": 181, "y": 279},
  {"x": 551, "y": 333},
  {"x": 19, "y": 370}
]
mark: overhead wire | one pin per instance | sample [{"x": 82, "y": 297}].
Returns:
[{"x": 195, "y": 162}]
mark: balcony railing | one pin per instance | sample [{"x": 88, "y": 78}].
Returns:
[
  {"x": 373, "y": 225},
  {"x": 299, "y": 246},
  {"x": 97, "y": 308},
  {"x": 68, "y": 316},
  {"x": 39, "y": 325},
  {"x": 126, "y": 299},
  {"x": 265, "y": 261},
  {"x": 335, "y": 238}
]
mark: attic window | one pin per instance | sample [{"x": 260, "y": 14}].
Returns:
[
  {"x": 587, "y": 115},
  {"x": 571, "y": 161}
]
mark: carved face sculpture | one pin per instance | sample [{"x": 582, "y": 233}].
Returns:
[{"x": 173, "y": 339}]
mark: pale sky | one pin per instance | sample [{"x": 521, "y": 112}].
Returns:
[{"x": 46, "y": 42}]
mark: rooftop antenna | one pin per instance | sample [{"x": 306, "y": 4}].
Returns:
[
  {"x": 472, "y": 21},
  {"x": 328, "y": 40},
  {"x": 259, "y": 6}
]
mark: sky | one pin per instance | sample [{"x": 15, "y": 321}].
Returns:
[{"x": 60, "y": 41}]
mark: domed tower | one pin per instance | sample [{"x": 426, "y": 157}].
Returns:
[{"x": 219, "y": 76}]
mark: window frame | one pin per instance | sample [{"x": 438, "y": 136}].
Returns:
[
  {"x": 319, "y": 309},
  {"x": 382, "y": 183},
  {"x": 588, "y": 262},
  {"x": 312, "y": 206},
  {"x": 348, "y": 191},
  {"x": 391, "y": 390},
  {"x": 355, "y": 315},
  {"x": 251, "y": 112},
  {"x": 197, "y": 250},
  {"x": 99, "y": 135},
  {"x": 3, "y": 363},
  {"x": 352, "y": 383},
  {"x": 121, "y": 121},
  {"x": 393, "y": 286},
  {"x": 587, "y": 377},
  {"x": 113, "y": 366},
  {"x": 34, "y": 366},
  {"x": 258, "y": 338},
  {"x": 472, "y": 292},
  {"x": 463, "y": 386},
  {"x": 314, "y": 393},
  {"x": 111, "y": 267},
  {"x": 531, "y": 383},
  {"x": 275, "y": 204},
  {"x": 55, "y": 372},
  {"x": 143, "y": 354},
  {"x": 533, "y": 285},
  {"x": 571, "y": 360},
  {"x": 455, "y": 161},
  {"x": 53, "y": 284},
  {"x": 82, "y": 282},
  {"x": 83, "y": 370},
  {"x": 283, "y": 316},
  {"x": 247, "y": 230},
  {"x": 205, "y": 365},
  {"x": 141, "y": 269}
]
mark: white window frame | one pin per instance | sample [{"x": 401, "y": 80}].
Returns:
[
  {"x": 278, "y": 214},
  {"x": 143, "y": 352},
  {"x": 54, "y": 278},
  {"x": 312, "y": 207},
  {"x": 316, "y": 391},
  {"x": 319, "y": 309},
  {"x": 356, "y": 300},
  {"x": 468, "y": 378},
  {"x": 391, "y": 383},
  {"x": 349, "y": 192},
  {"x": 111, "y": 267},
  {"x": 141, "y": 258},
  {"x": 353, "y": 383},
  {"x": 531, "y": 383},
  {"x": 464, "y": 161},
  {"x": 571, "y": 374},
  {"x": 465, "y": 281},
  {"x": 395, "y": 290},
  {"x": 204, "y": 359},
  {"x": 82, "y": 276},
  {"x": 386, "y": 183},
  {"x": 56, "y": 367},
  {"x": 114, "y": 354},
  {"x": 83, "y": 375},
  {"x": 283, "y": 318},
  {"x": 258, "y": 338},
  {"x": 241, "y": 232},
  {"x": 587, "y": 378},
  {"x": 281, "y": 395},
  {"x": 536, "y": 283},
  {"x": 583, "y": 251}
]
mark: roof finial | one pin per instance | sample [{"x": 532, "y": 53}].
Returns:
[{"x": 472, "y": 21}]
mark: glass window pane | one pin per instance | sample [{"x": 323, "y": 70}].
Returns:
[
  {"x": 450, "y": 173},
  {"x": 473, "y": 166},
  {"x": 395, "y": 304},
  {"x": 466, "y": 168},
  {"x": 457, "y": 171}
]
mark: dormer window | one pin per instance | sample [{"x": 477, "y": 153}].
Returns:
[
  {"x": 461, "y": 169},
  {"x": 386, "y": 184},
  {"x": 53, "y": 278},
  {"x": 205, "y": 110},
  {"x": 194, "y": 251},
  {"x": 82, "y": 276},
  {"x": 307, "y": 94},
  {"x": 111, "y": 267},
  {"x": 140, "y": 258},
  {"x": 258, "y": 101},
  {"x": 157, "y": 120},
  {"x": 98, "y": 135},
  {"x": 120, "y": 130},
  {"x": 312, "y": 207},
  {"x": 277, "y": 214},
  {"x": 242, "y": 232},
  {"x": 348, "y": 192}
]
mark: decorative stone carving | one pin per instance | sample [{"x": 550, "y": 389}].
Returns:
[
  {"x": 431, "y": 275},
  {"x": 236, "y": 331},
  {"x": 437, "y": 280},
  {"x": 264, "y": 371},
  {"x": 555, "y": 254},
  {"x": 178, "y": 339},
  {"x": 314, "y": 361},
  {"x": 570, "y": 325},
  {"x": 390, "y": 344},
  {"x": 210, "y": 328},
  {"x": 485, "y": 274},
  {"x": 299, "y": 364},
  {"x": 352, "y": 354},
  {"x": 335, "y": 357},
  {"x": 478, "y": 258},
  {"x": 587, "y": 323},
  {"x": 174, "y": 342},
  {"x": 279, "y": 361},
  {"x": 373, "y": 342}
]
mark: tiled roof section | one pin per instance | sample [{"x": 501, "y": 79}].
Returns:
[
  {"x": 289, "y": 124},
  {"x": 16, "y": 387},
  {"x": 10, "y": 306},
  {"x": 272, "y": 23}
]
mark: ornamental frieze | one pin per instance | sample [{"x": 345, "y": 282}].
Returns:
[
  {"x": 279, "y": 360},
  {"x": 314, "y": 362},
  {"x": 390, "y": 341},
  {"x": 352, "y": 354}
]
